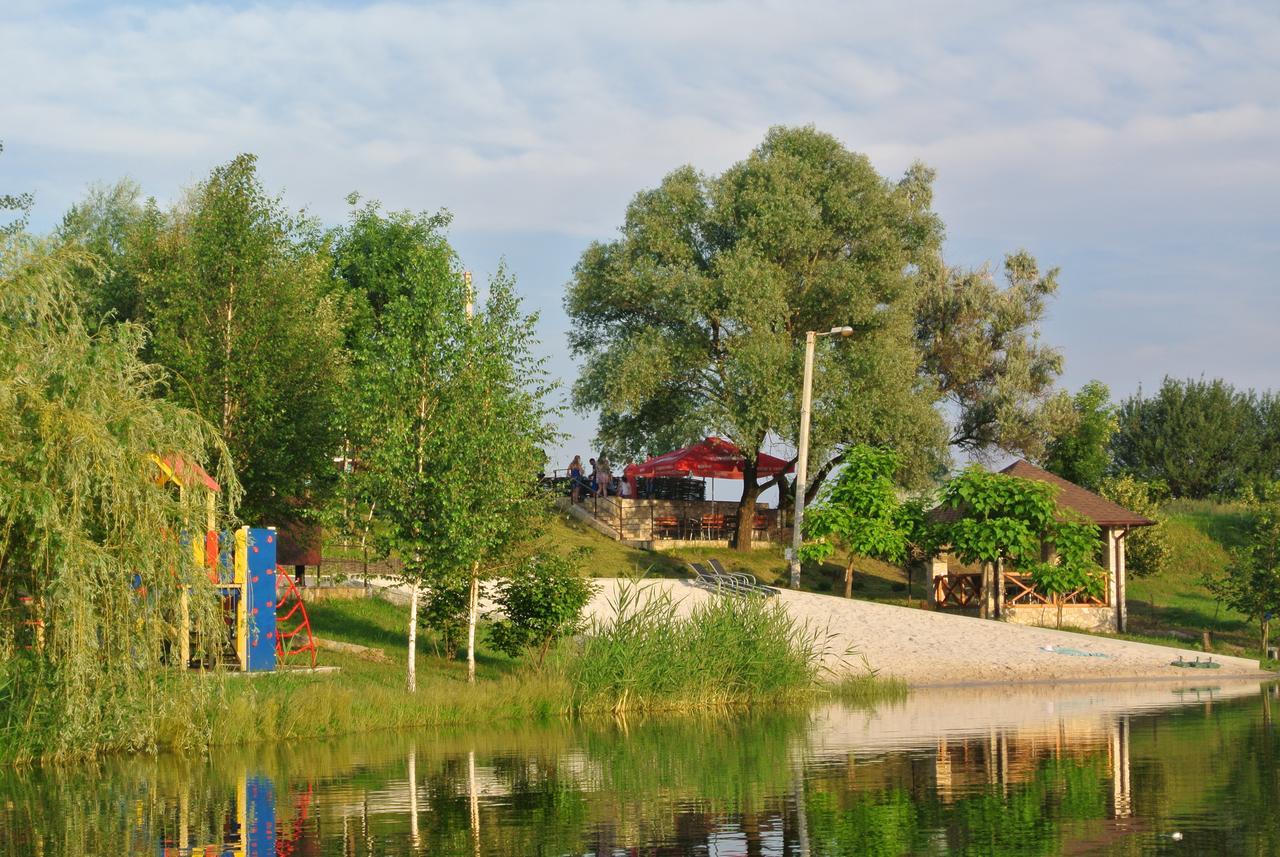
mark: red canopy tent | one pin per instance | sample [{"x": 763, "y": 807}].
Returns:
[{"x": 714, "y": 457}]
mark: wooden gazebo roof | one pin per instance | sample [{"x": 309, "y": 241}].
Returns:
[{"x": 1071, "y": 496}]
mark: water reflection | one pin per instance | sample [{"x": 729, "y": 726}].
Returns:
[{"x": 990, "y": 770}]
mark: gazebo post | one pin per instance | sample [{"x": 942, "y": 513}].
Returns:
[{"x": 1122, "y": 609}]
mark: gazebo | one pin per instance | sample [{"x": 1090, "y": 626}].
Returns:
[{"x": 1023, "y": 603}]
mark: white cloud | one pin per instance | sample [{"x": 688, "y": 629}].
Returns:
[{"x": 1084, "y": 130}]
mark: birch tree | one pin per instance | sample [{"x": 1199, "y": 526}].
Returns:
[{"x": 450, "y": 425}]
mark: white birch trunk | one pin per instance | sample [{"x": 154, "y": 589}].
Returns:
[
  {"x": 473, "y": 608},
  {"x": 412, "y": 681}
]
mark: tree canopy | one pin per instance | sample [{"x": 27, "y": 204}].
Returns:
[
  {"x": 87, "y": 535},
  {"x": 1081, "y": 451},
  {"x": 448, "y": 425},
  {"x": 692, "y": 322},
  {"x": 1201, "y": 438},
  {"x": 1004, "y": 518},
  {"x": 859, "y": 510},
  {"x": 981, "y": 350},
  {"x": 235, "y": 292}
]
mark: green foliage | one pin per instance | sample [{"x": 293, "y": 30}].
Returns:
[
  {"x": 235, "y": 293},
  {"x": 726, "y": 651},
  {"x": 82, "y": 519},
  {"x": 1081, "y": 453},
  {"x": 1147, "y": 549},
  {"x": 448, "y": 423},
  {"x": 1251, "y": 582},
  {"x": 539, "y": 603},
  {"x": 980, "y": 349},
  {"x": 1201, "y": 438},
  {"x": 860, "y": 511},
  {"x": 1008, "y": 519},
  {"x": 125, "y": 235},
  {"x": 693, "y": 321}
]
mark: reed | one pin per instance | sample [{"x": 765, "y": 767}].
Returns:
[{"x": 723, "y": 652}]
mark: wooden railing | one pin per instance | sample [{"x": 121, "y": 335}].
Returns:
[
  {"x": 965, "y": 590},
  {"x": 1020, "y": 591},
  {"x": 957, "y": 590}
]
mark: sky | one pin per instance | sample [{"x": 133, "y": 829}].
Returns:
[{"x": 1134, "y": 145}]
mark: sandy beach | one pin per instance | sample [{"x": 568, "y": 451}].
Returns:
[{"x": 923, "y": 647}]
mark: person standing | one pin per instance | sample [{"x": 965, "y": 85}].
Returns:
[
  {"x": 575, "y": 479},
  {"x": 603, "y": 475}
]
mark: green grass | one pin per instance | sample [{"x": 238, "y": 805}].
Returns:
[
  {"x": 739, "y": 655},
  {"x": 1200, "y": 535}
]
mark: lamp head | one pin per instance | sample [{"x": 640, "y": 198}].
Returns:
[{"x": 842, "y": 331}]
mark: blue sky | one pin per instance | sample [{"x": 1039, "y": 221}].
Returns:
[{"x": 1137, "y": 146}]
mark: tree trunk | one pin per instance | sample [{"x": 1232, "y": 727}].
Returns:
[
  {"x": 848, "y": 579},
  {"x": 412, "y": 679},
  {"x": 1266, "y": 635},
  {"x": 1000, "y": 588},
  {"x": 473, "y": 607},
  {"x": 985, "y": 611},
  {"x": 747, "y": 507}
]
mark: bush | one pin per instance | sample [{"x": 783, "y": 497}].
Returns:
[{"x": 540, "y": 603}]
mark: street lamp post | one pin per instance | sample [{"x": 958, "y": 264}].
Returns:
[{"x": 802, "y": 454}]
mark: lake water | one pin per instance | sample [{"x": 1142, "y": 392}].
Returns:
[{"x": 1092, "y": 769}]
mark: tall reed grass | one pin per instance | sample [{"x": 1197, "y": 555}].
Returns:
[{"x": 725, "y": 651}]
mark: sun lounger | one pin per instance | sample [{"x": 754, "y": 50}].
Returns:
[
  {"x": 741, "y": 581},
  {"x": 726, "y": 584}
]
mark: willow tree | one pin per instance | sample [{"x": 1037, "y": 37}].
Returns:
[
  {"x": 693, "y": 321},
  {"x": 981, "y": 351},
  {"x": 91, "y": 562}
]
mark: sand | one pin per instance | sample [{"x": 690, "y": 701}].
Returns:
[{"x": 923, "y": 647}]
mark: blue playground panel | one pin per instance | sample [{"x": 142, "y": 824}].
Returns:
[{"x": 261, "y": 606}]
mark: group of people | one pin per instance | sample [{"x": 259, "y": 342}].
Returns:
[{"x": 598, "y": 484}]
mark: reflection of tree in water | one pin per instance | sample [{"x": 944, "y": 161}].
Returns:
[{"x": 740, "y": 786}]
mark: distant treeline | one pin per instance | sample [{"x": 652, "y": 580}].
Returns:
[{"x": 1200, "y": 438}]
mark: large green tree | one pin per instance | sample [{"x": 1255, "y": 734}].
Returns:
[
  {"x": 1081, "y": 451},
  {"x": 692, "y": 322},
  {"x": 236, "y": 293},
  {"x": 1201, "y": 438}
]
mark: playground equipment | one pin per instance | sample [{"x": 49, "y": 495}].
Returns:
[
  {"x": 262, "y": 628},
  {"x": 246, "y": 826}
]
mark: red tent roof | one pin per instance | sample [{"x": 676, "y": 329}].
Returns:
[{"x": 714, "y": 457}]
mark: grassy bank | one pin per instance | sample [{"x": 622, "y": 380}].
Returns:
[{"x": 673, "y": 666}]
